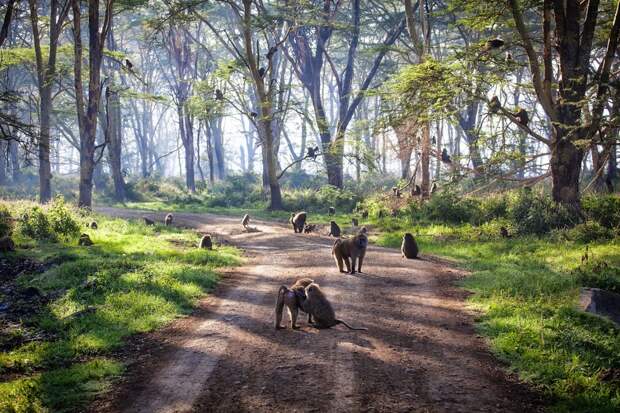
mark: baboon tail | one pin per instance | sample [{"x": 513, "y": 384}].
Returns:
[
  {"x": 335, "y": 243},
  {"x": 351, "y": 328},
  {"x": 280, "y": 305}
]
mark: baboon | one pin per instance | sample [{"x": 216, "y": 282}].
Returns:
[
  {"x": 523, "y": 117},
  {"x": 334, "y": 229},
  {"x": 409, "y": 247},
  {"x": 128, "y": 64},
  {"x": 7, "y": 244},
  {"x": 312, "y": 152},
  {"x": 253, "y": 114},
  {"x": 168, "y": 220},
  {"x": 85, "y": 241},
  {"x": 219, "y": 95},
  {"x": 503, "y": 231},
  {"x": 148, "y": 221},
  {"x": 416, "y": 191},
  {"x": 298, "y": 221},
  {"x": 354, "y": 222},
  {"x": 245, "y": 221},
  {"x": 271, "y": 52},
  {"x": 331, "y": 211},
  {"x": 396, "y": 191},
  {"x": 353, "y": 249},
  {"x": 434, "y": 187},
  {"x": 205, "y": 242},
  {"x": 381, "y": 213},
  {"x": 309, "y": 228},
  {"x": 293, "y": 297},
  {"x": 508, "y": 57},
  {"x": 494, "y": 44},
  {"x": 494, "y": 105},
  {"x": 364, "y": 214},
  {"x": 394, "y": 212},
  {"x": 445, "y": 157},
  {"x": 93, "y": 225},
  {"x": 261, "y": 72},
  {"x": 318, "y": 307},
  {"x": 364, "y": 230}
]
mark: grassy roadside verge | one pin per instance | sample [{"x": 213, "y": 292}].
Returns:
[
  {"x": 61, "y": 322},
  {"x": 527, "y": 289}
]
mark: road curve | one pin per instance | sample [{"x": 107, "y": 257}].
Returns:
[{"x": 420, "y": 353}]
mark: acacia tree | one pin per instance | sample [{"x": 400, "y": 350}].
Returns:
[
  {"x": 88, "y": 108},
  {"x": 562, "y": 78},
  {"x": 309, "y": 45},
  {"x": 46, "y": 73}
]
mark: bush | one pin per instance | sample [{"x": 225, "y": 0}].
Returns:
[
  {"x": 538, "y": 214},
  {"x": 33, "y": 223},
  {"x": 448, "y": 207},
  {"x": 6, "y": 222},
  {"x": 320, "y": 200},
  {"x": 598, "y": 274},
  {"x": 590, "y": 231},
  {"x": 237, "y": 191},
  {"x": 61, "y": 220},
  {"x": 604, "y": 209}
]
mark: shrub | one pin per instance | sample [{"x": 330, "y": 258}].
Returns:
[
  {"x": 598, "y": 274},
  {"x": 6, "y": 222},
  {"x": 447, "y": 206},
  {"x": 538, "y": 214},
  {"x": 33, "y": 223},
  {"x": 590, "y": 231},
  {"x": 236, "y": 191},
  {"x": 61, "y": 220},
  {"x": 604, "y": 209}
]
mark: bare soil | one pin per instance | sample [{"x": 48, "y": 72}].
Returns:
[{"x": 421, "y": 352}]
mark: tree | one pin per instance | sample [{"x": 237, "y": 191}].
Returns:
[
  {"x": 565, "y": 102},
  {"x": 88, "y": 108},
  {"x": 46, "y": 73}
]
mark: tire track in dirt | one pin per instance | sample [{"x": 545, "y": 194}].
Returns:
[{"x": 420, "y": 354}]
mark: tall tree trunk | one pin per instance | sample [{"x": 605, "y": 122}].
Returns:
[
  {"x": 3, "y": 161},
  {"x": 426, "y": 160},
  {"x": 45, "y": 168},
  {"x": 14, "y": 158},
  {"x": 115, "y": 142}
]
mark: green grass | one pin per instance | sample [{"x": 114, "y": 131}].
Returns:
[
  {"x": 133, "y": 280},
  {"x": 527, "y": 289}
]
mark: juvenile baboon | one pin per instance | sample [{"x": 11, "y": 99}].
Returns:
[
  {"x": 416, "y": 191},
  {"x": 353, "y": 249},
  {"x": 7, "y": 244},
  {"x": 293, "y": 297},
  {"x": 396, "y": 192},
  {"x": 298, "y": 221},
  {"x": 409, "y": 247},
  {"x": 494, "y": 105},
  {"x": 308, "y": 228},
  {"x": 85, "y": 241},
  {"x": 93, "y": 225},
  {"x": 148, "y": 221},
  {"x": 354, "y": 222},
  {"x": 364, "y": 214},
  {"x": 523, "y": 117},
  {"x": 445, "y": 157},
  {"x": 318, "y": 307},
  {"x": 434, "y": 187},
  {"x": 168, "y": 219},
  {"x": 205, "y": 242},
  {"x": 334, "y": 229},
  {"x": 245, "y": 221},
  {"x": 494, "y": 44},
  {"x": 332, "y": 211},
  {"x": 312, "y": 152},
  {"x": 503, "y": 231}
]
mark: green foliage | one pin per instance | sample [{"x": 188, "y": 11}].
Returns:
[
  {"x": 604, "y": 209},
  {"x": 449, "y": 207},
  {"x": 6, "y": 221},
  {"x": 327, "y": 196},
  {"x": 61, "y": 219},
  {"x": 237, "y": 190},
  {"x": 598, "y": 273},
  {"x": 535, "y": 213},
  {"x": 590, "y": 231},
  {"x": 34, "y": 223}
]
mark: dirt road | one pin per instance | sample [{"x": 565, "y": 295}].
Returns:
[{"x": 420, "y": 353}]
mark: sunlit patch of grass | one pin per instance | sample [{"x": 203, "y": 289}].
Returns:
[
  {"x": 527, "y": 288},
  {"x": 134, "y": 279}
]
